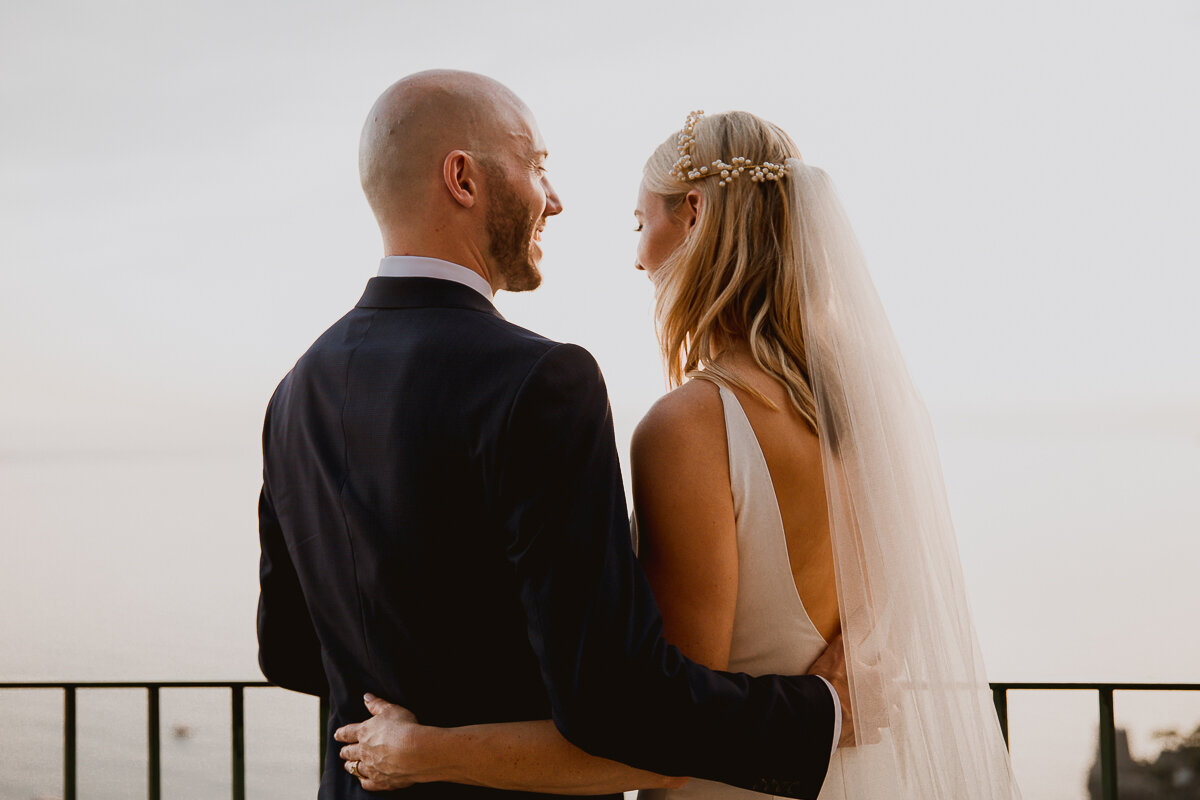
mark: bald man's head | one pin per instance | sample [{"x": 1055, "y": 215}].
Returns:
[
  {"x": 453, "y": 166},
  {"x": 421, "y": 118}
]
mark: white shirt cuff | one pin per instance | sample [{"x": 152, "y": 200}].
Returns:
[{"x": 837, "y": 717}]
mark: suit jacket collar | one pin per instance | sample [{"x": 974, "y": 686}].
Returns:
[{"x": 423, "y": 293}]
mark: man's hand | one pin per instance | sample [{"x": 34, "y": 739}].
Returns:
[
  {"x": 384, "y": 751},
  {"x": 831, "y": 666}
]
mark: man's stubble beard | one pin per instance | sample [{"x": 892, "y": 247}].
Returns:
[{"x": 510, "y": 236}]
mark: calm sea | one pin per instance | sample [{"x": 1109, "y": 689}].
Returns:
[{"x": 1079, "y": 546}]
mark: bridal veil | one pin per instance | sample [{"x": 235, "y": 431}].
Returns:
[{"x": 919, "y": 694}]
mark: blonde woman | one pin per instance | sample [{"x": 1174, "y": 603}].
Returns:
[{"x": 787, "y": 490}]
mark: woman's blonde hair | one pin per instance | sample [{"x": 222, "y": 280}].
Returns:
[{"x": 734, "y": 277}]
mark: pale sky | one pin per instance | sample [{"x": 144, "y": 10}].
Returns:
[
  {"x": 182, "y": 217},
  {"x": 182, "y": 214}
]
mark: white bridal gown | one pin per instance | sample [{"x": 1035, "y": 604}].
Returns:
[{"x": 772, "y": 632}]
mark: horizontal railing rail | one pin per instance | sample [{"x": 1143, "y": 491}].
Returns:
[{"x": 1108, "y": 739}]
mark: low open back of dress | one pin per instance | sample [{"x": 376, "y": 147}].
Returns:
[{"x": 772, "y": 631}]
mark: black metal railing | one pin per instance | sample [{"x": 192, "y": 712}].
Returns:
[
  {"x": 237, "y": 727},
  {"x": 1108, "y": 726},
  {"x": 1108, "y": 738}
]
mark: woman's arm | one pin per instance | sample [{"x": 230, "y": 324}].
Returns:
[
  {"x": 688, "y": 533},
  {"x": 391, "y": 751}
]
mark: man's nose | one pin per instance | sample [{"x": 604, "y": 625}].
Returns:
[{"x": 553, "y": 203}]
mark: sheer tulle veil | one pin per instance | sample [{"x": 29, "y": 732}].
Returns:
[{"x": 920, "y": 697}]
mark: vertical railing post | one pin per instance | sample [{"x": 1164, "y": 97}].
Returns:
[
  {"x": 153, "y": 746},
  {"x": 1000, "y": 698},
  {"x": 69, "y": 739},
  {"x": 237, "y": 715},
  {"x": 1108, "y": 746},
  {"x": 323, "y": 712}
]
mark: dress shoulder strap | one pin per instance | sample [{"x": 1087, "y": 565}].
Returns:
[{"x": 749, "y": 476}]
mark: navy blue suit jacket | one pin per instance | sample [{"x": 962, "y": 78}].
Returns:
[{"x": 443, "y": 524}]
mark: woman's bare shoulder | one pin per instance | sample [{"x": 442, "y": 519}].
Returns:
[{"x": 682, "y": 420}]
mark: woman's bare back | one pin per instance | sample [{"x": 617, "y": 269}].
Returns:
[
  {"x": 793, "y": 454},
  {"x": 686, "y": 518}
]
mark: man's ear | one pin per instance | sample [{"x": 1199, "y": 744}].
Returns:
[
  {"x": 690, "y": 207},
  {"x": 458, "y": 169}
]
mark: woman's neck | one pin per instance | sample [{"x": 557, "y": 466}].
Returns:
[{"x": 732, "y": 351}]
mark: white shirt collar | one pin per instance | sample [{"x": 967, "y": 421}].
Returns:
[{"x": 425, "y": 267}]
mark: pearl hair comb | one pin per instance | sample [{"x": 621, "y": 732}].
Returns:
[{"x": 685, "y": 170}]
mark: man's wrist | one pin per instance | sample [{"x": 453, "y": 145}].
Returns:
[
  {"x": 436, "y": 753},
  {"x": 837, "y": 714}
]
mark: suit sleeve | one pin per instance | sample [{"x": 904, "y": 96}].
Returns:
[
  {"x": 289, "y": 652},
  {"x": 616, "y": 688}
]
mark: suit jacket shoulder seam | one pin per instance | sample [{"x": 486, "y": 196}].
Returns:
[{"x": 362, "y": 619}]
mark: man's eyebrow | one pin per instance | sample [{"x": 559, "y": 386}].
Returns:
[{"x": 542, "y": 154}]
